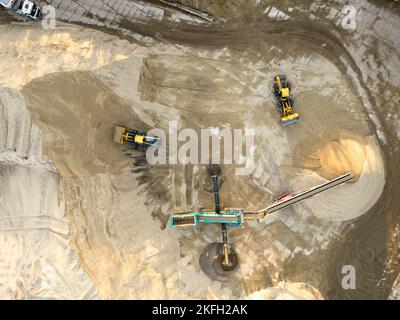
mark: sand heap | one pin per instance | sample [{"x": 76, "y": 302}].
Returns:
[
  {"x": 332, "y": 153},
  {"x": 344, "y": 154}
]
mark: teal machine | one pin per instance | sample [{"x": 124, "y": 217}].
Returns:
[
  {"x": 235, "y": 217},
  {"x": 232, "y": 217}
]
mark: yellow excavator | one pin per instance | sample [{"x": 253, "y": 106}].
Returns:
[
  {"x": 134, "y": 138},
  {"x": 284, "y": 103}
]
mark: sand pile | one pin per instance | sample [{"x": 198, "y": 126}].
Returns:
[
  {"x": 330, "y": 155},
  {"x": 343, "y": 155}
]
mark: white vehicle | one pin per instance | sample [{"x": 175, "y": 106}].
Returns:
[
  {"x": 7, "y": 3},
  {"x": 23, "y": 7}
]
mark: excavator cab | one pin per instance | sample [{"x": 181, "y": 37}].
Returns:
[
  {"x": 285, "y": 93},
  {"x": 284, "y": 104}
]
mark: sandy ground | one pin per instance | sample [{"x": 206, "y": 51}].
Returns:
[
  {"x": 37, "y": 261},
  {"x": 287, "y": 291},
  {"x": 112, "y": 210}
]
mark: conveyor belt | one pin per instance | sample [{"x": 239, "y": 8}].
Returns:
[
  {"x": 221, "y": 219},
  {"x": 307, "y": 194},
  {"x": 183, "y": 221},
  {"x": 236, "y": 217}
]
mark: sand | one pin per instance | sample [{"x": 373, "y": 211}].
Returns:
[
  {"x": 112, "y": 212},
  {"x": 287, "y": 291},
  {"x": 343, "y": 203},
  {"x": 330, "y": 155},
  {"x": 37, "y": 260}
]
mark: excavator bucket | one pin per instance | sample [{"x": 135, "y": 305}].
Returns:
[
  {"x": 118, "y": 135},
  {"x": 289, "y": 119},
  {"x": 139, "y": 139}
]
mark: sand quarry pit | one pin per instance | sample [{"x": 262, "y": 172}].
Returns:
[{"x": 75, "y": 85}]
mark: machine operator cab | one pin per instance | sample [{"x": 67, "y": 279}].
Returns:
[
  {"x": 281, "y": 87},
  {"x": 134, "y": 138}
]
